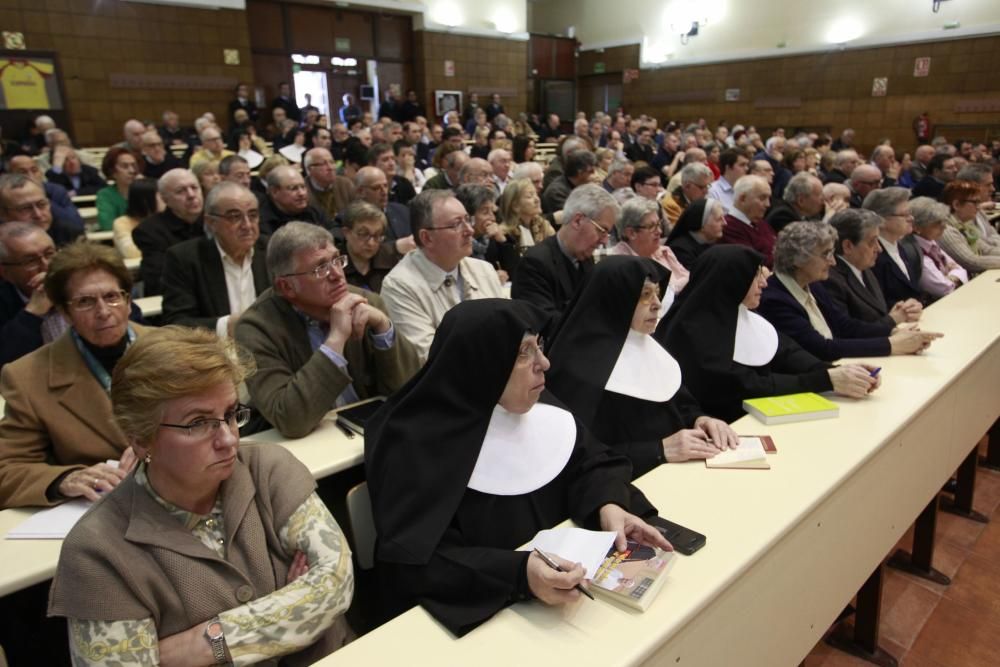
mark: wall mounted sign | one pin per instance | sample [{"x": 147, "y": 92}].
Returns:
[
  {"x": 880, "y": 85},
  {"x": 921, "y": 66}
]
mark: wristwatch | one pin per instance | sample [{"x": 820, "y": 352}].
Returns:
[{"x": 217, "y": 639}]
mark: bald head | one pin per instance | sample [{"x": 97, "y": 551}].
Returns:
[
  {"x": 476, "y": 171},
  {"x": 181, "y": 193},
  {"x": 372, "y": 186},
  {"x": 134, "y": 130},
  {"x": 865, "y": 178}
]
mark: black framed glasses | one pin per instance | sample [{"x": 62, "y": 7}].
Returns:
[
  {"x": 323, "y": 270},
  {"x": 207, "y": 427}
]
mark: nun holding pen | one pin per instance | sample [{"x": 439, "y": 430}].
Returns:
[
  {"x": 471, "y": 458},
  {"x": 729, "y": 353},
  {"x": 629, "y": 390}
]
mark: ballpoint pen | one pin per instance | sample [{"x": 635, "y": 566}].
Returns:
[
  {"x": 555, "y": 566},
  {"x": 346, "y": 431}
]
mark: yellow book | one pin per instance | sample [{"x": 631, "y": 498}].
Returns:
[{"x": 791, "y": 408}]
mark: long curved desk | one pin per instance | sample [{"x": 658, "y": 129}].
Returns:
[{"x": 787, "y": 548}]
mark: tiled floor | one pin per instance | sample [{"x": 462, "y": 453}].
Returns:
[{"x": 928, "y": 625}]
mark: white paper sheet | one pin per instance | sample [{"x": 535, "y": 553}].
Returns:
[
  {"x": 51, "y": 524},
  {"x": 750, "y": 449},
  {"x": 577, "y": 545}
]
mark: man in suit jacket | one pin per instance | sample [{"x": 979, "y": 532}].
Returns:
[
  {"x": 210, "y": 282},
  {"x": 551, "y": 271},
  {"x": 181, "y": 221},
  {"x": 288, "y": 200},
  {"x": 318, "y": 342},
  {"x": 371, "y": 185},
  {"x": 852, "y": 286},
  {"x": 62, "y": 208},
  {"x": 72, "y": 174}
]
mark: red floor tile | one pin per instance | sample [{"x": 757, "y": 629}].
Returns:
[{"x": 958, "y": 636}]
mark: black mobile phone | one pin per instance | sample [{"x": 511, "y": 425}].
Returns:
[{"x": 684, "y": 540}]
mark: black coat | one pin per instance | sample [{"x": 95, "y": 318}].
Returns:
[
  {"x": 547, "y": 278},
  {"x": 272, "y": 218},
  {"x": 90, "y": 180},
  {"x": 895, "y": 285},
  {"x": 194, "y": 282},
  {"x": 860, "y": 301},
  {"x": 154, "y": 236}
]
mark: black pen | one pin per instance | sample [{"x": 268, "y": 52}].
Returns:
[
  {"x": 346, "y": 431},
  {"x": 555, "y": 566}
]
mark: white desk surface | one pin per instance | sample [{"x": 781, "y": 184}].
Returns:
[
  {"x": 151, "y": 306},
  {"x": 101, "y": 236},
  {"x": 787, "y": 548},
  {"x": 132, "y": 263},
  {"x": 325, "y": 451}
]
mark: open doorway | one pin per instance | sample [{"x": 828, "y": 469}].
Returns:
[{"x": 312, "y": 84}]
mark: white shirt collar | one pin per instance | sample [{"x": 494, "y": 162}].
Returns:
[
  {"x": 857, "y": 272},
  {"x": 739, "y": 215}
]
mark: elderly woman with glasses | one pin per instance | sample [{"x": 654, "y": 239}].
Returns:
[
  {"x": 640, "y": 233},
  {"x": 369, "y": 258},
  {"x": 803, "y": 311},
  {"x": 962, "y": 238},
  {"x": 941, "y": 275},
  {"x": 210, "y": 553},
  {"x": 57, "y": 434}
]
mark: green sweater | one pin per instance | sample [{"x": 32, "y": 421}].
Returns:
[{"x": 110, "y": 205}]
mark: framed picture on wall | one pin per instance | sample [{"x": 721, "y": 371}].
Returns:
[
  {"x": 29, "y": 81},
  {"x": 447, "y": 100}
]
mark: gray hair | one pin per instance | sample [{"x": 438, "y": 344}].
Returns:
[
  {"x": 226, "y": 163},
  {"x": 927, "y": 212},
  {"x": 589, "y": 199},
  {"x": 422, "y": 210},
  {"x": 497, "y": 154},
  {"x": 572, "y": 145},
  {"x": 800, "y": 185},
  {"x": 745, "y": 185},
  {"x": 772, "y": 141},
  {"x": 288, "y": 241},
  {"x": 10, "y": 182},
  {"x": 311, "y": 154},
  {"x": 525, "y": 170},
  {"x": 974, "y": 171},
  {"x": 223, "y": 189},
  {"x": 618, "y": 164},
  {"x": 166, "y": 181},
  {"x": 275, "y": 175},
  {"x": 473, "y": 195},
  {"x": 15, "y": 230},
  {"x": 844, "y": 156},
  {"x": 797, "y": 244},
  {"x": 633, "y": 211},
  {"x": 885, "y": 201},
  {"x": 361, "y": 211},
  {"x": 878, "y": 150},
  {"x": 853, "y": 224},
  {"x": 695, "y": 171}
]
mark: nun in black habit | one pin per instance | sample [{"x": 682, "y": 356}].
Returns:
[
  {"x": 625, "y": 386},
  {"x": 471, "y": 458},
  {"x": 698, "y": 228},
  {"x": 729, "y": 353}
]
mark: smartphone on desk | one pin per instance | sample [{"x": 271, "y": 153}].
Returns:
[{"x": 684, "y": 540}]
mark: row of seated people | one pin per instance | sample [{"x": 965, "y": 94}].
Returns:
[{"x": 312, "y": 336}]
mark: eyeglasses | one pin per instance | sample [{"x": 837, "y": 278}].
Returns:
[
  {"x": 203, "y": 429},
  {"x": 42, "y": 205},
  {"x": 82, "y": 304},
  {"x": 824, "y": 255},
  {"x": 529, "y": 353},
  {"x": 324, "y": 269},
  {"x": 600, "y": 230},
  {"x": 34, "y": 260},
  {"x": 365, "y": 237},
  {"x": 457, "y": 224},
  {"x": 297, "y": 187},
  {"x": 236, "y": 217}
]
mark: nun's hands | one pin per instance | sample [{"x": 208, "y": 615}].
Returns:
[
  {"x": 630, "y": 527},
  {"x": 687, "y": 444},
  {"x": 718, "y": 431},
  {"x": 550, "y": 586},
  {"x": 852, "y": 380}
]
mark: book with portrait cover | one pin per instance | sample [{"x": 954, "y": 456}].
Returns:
[{"x": 632, "y": 577}]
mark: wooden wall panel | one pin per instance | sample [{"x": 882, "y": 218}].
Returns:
[
  {"x": 310, "y": 29},
  {"x": 357, "y": 27},
  {"x": 393, "y": 37},
  {"x": 97, "y": 38},
  {"x": 267, "y": 25}
]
